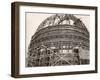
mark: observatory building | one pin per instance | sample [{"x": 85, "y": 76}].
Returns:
[{"x": 61, "y": 39}]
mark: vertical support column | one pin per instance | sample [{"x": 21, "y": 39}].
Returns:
[{"x": 76, "y": 53}]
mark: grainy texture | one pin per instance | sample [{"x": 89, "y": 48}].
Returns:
[{"x": 61, "y": 39}]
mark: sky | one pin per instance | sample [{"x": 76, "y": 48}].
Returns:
[{"x": 33, "y": 20}]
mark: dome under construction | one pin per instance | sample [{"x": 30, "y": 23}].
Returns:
[{"x": 61, "y": 39}]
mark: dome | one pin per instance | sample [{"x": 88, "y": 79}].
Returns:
[
  {"x": 59, "y": 19},
  {"x": 55, "y": 42}
]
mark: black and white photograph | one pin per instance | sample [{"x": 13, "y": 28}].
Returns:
[
  {"x": 52, "y": 39},
  {"x": 59, "y": 39}
]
